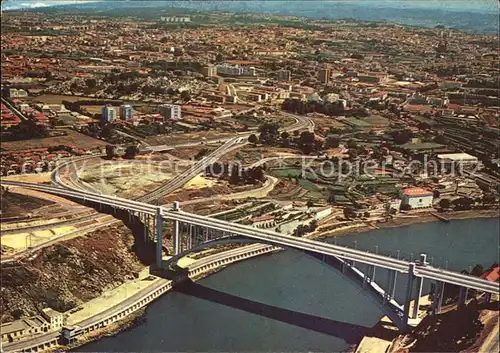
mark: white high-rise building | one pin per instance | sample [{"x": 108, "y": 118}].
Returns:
[
  {"x": 126, "y": 112},
  {"x": 108, "y": 113},
  {"x": 170, "y": 111},
  {"x": 284, "y": 75}
]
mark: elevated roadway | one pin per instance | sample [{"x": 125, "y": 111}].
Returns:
[{"x": 270, "y": 237}]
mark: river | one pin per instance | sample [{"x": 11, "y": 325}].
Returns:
[{"x": 308, "y": 306}]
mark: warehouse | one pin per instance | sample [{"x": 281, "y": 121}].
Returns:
[{"x": 417, "y": 198}]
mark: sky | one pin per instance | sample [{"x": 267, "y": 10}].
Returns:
[
  {"x": 452, "y": 4},
  {"x": 16, "y": 4}
]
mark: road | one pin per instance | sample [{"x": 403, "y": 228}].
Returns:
[
  {"x": 13, "y": 109},
  {"x": 101, "y": 221},
  {"x": 66, "y": 222},
  {"x": 280, "y": 158}
]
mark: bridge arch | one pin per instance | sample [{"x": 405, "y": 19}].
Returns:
[{"x": 348, "y": 271}]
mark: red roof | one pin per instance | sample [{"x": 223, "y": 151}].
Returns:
[
  {"x": 414, "y": 192},
  {"x": 262, "y": 218},
  {"x": 492, "y": 275}
]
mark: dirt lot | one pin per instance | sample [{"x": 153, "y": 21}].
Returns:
[
  {"x": 57, "y": 99},
  {"x": 250, "y": 154},
  {"x": 179, "y": 138},
  {"x": 125, "y": 178},
  {"x": 221, "y": 188},
  {"x": 72, "y": 138},
  {"x": 191, "y": 152},
  {"x": 210, "y": 207},
  {"x": 17, "y": 205},
  {"x": 41, "y": 178}
]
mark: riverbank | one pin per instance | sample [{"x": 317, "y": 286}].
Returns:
[
  {"x": 406, "y": 219},
  {"x": 198, "y": 269}
]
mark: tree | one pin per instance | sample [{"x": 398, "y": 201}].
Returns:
[
  {"x": 463, "y": 203},
  {"x": 185, "y": 96},
  {"x": 351, "y": 144},
  {"x": 306, "y": 142},
  {"x": 253, "y": 139},
  {"x": 440, "y": 139},
  {"x": 349, "y": 212},
  {"x": 332, "y": 142},
  {"x": 110, "y": 151},
  {"x": 269, "y": 133},
  {"x": 309, "y": 204},
  {"x": 401, "y": 137},
  {"x": 131, "y": 151},
  {"x": 488, "y": 199},
  {"x": 91, "y": 82},
  {"x": 478, "y": 270},
  {"x": 444, "y": 203}
]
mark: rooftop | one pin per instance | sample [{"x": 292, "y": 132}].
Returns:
[{"x": 412, "y": 192}]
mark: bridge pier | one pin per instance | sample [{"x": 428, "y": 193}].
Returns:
[
  {"x": 409, "y": 292},
  {"x": 420, "y": 283},
  {"x": 462, "y": 297},
  {"x": 392, "y": 286},
  {"x": 438, "y": 297},
  {"x": 159, "y": 237},
  {"x": 177, "y": 240}
]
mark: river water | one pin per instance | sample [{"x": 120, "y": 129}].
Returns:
[{"x": 291, "y": 302}]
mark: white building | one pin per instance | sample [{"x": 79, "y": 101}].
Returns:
[
  {"x": 170, "y": 111},
  {"x": 417, "y": 198},
  {"x": 55, "y": 318},
  {"x": 323, "y": 212},
  {"x": 108, "y": 113},
  {"x": 209, "y": 70},
  {"x": 284, "y": 75},
  {"x": 235, "y": 70},
  {"x": 126, "y": 112},
  {"x": 459, "y": 158},
  {"x": 17, "y": 93},
  {"x": 175, "y": 19}
]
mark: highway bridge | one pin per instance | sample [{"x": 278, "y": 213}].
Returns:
[{"x": 416, "y": 271}]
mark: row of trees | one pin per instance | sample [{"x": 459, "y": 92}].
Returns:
[
  {"x": 130, "y": 152},
  {"x": 271, "y": 136},
  {"x": 25, "y": 130},
  {"x": 300, "y": 107},
  {"x": 235, "y": 174},
  {"x": 466, "y": 203}
]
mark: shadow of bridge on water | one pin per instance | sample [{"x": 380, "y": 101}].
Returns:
[{"x": 350, "y": 333}]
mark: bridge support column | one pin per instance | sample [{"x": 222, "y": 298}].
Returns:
[
  {"x": 409, "y": 292},
  {"x": 462, "y": 296},
  {"x": 420, "y": 282},
  {"x": 438, "y": 297},
  {"x": 177, "y": 239},
  {"x": 487, "y": 298},
  {"x": 392, "y": 287},
  {"x": 159, "y": 237},
  {"x": 372, "y": 277},
  {"x": 146, "y": 231}
]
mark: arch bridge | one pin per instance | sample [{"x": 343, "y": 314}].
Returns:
[{"x": 191, "y": 231}]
